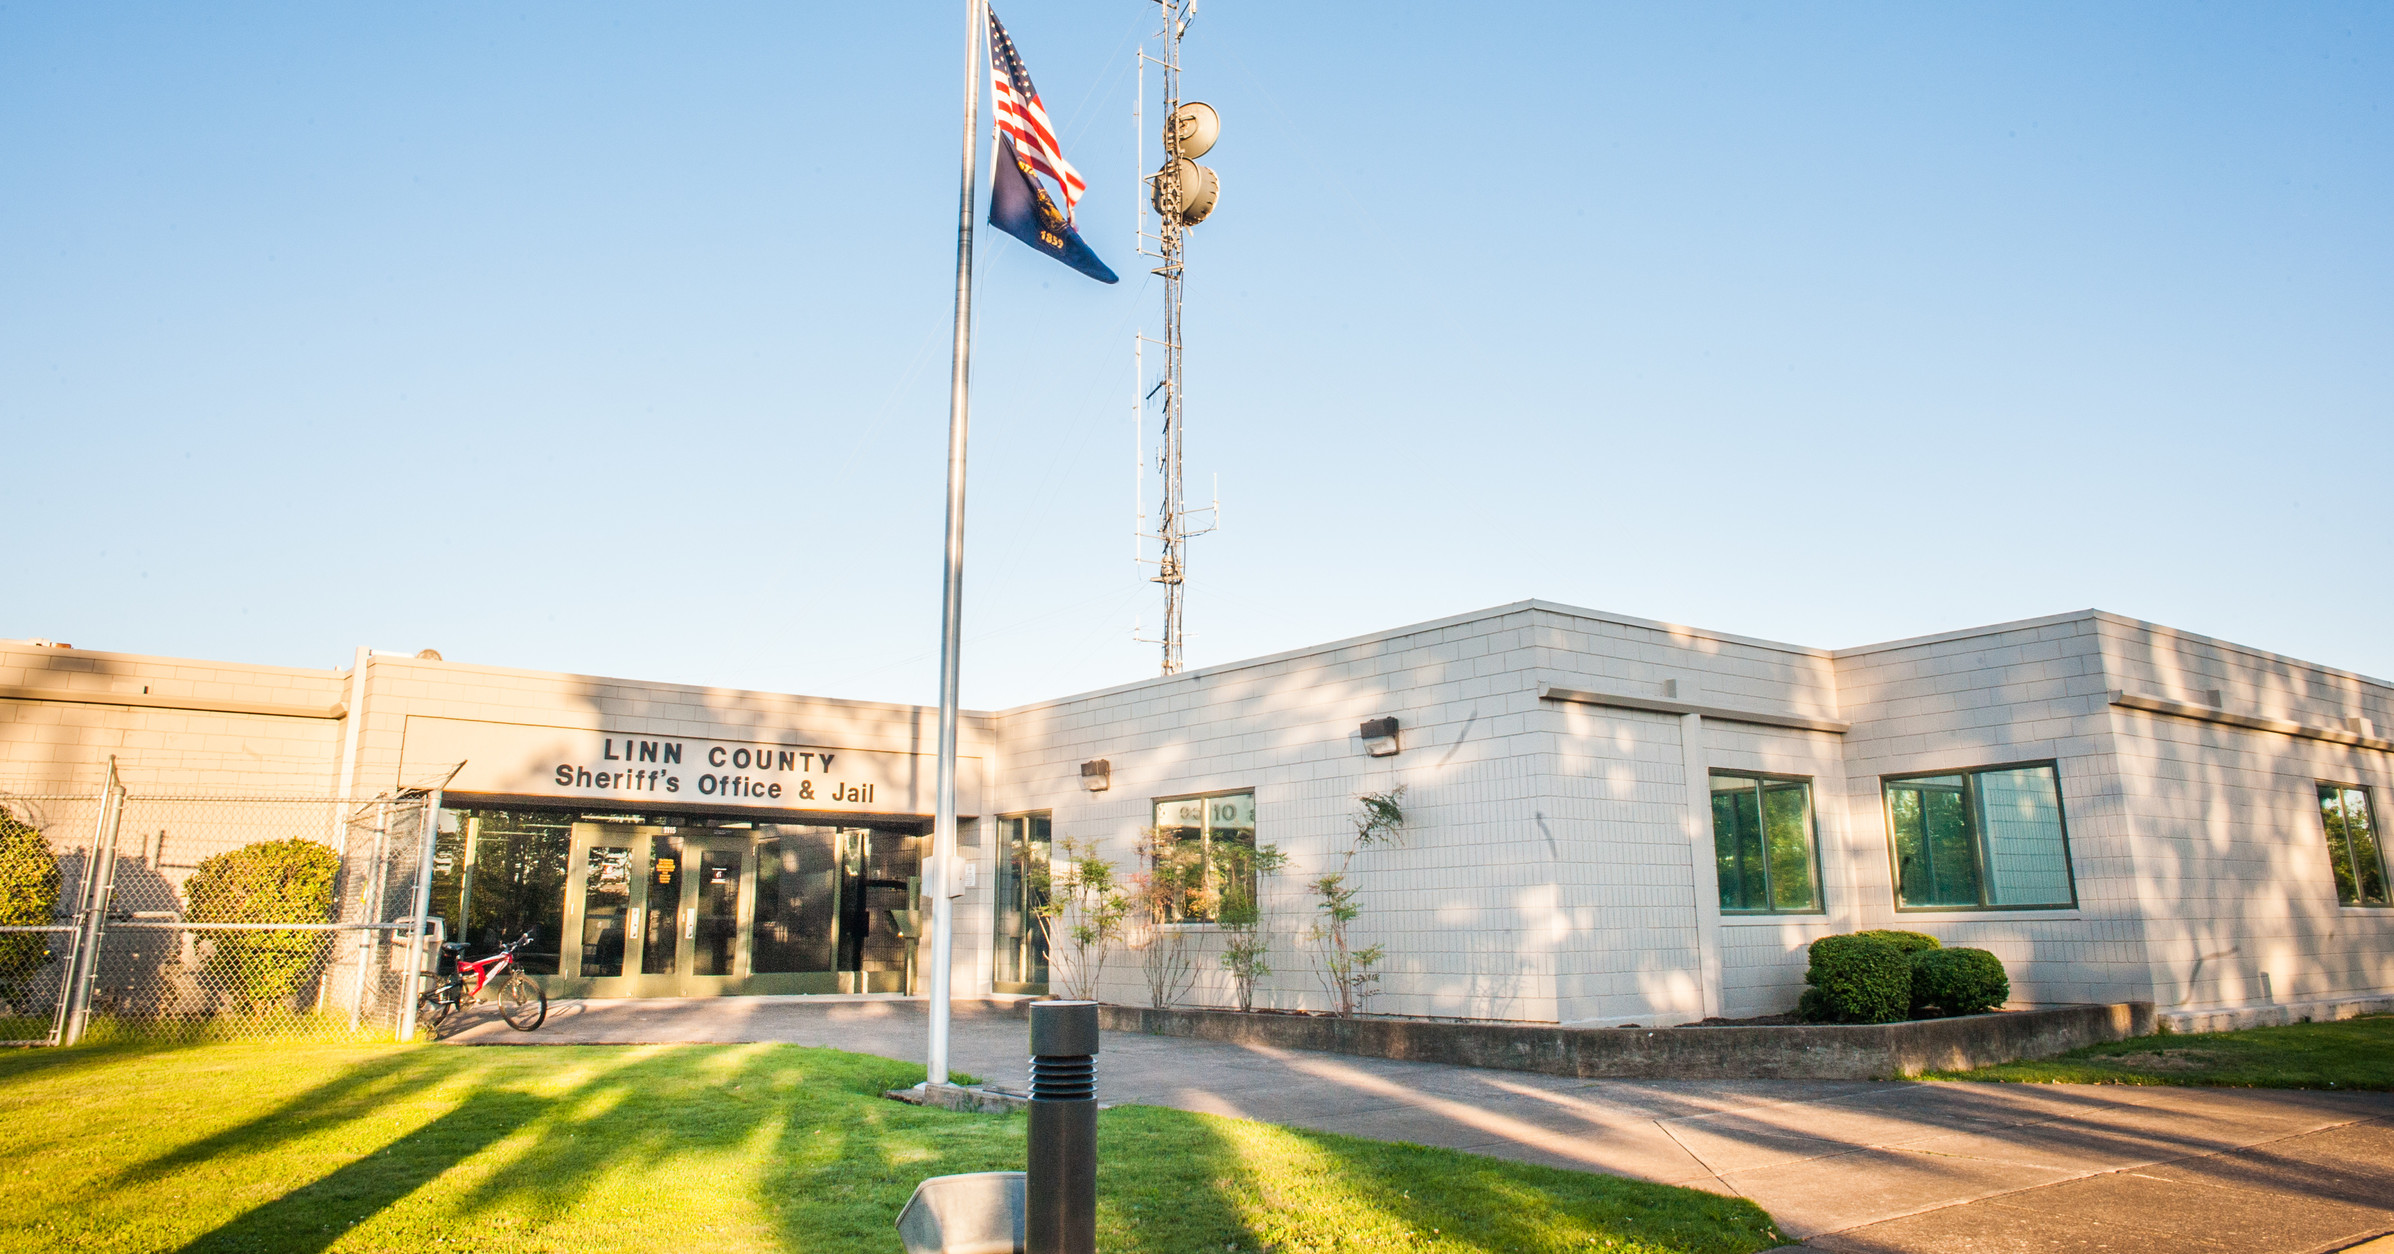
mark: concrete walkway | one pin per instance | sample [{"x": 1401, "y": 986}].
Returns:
[{"x": 1864, "y": 1167}]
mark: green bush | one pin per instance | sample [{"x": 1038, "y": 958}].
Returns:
[
  {"x": 28, "y": 898},
  {"x": 272, "y": 881},
  {"x": 1957, "y": 981},
  {"x": 1856, "y": 979},
  {"x": 1909, "y": 942}
]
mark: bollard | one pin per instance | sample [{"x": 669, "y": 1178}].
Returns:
[{"x": 1060, "y": 1212}]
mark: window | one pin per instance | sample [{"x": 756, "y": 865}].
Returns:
[
  {"x": 1022, "y": 884},
  {"x": 501, "y": 874},
  {"x": 1988, "y": 839},
  {"x": 1764, "y": 845},
  {"x": 1208, "y": 838},
  {"x": 2352, "y": 845},
  {"x": 797, "y": 899}
]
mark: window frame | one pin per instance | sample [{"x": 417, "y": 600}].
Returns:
[
  {"x": 2377, "y": 834},
  {"x": 1978, "y": 841},
  {"x": 1254, "y": 839},
  {"x": 1820, "y": 888}
]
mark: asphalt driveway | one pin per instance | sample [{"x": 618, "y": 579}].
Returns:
[{"x": 1860, "y": 1166}]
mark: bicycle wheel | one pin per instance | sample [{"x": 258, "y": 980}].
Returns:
[
  {"x": 431, "y": 1010},
  {"x": 522, "y": 1003}
]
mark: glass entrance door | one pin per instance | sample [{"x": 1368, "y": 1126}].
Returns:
[
  {"x": 699, "y": 888},
  {"x": 653, "y": 910},
  {"x": 714, "y": 905}
]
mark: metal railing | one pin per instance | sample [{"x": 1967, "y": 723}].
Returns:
[{"x": 207, "y": 918}]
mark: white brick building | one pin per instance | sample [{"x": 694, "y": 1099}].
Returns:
[{"x": 1609, "y": 820}]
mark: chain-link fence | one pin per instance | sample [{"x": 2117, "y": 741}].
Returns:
[{"x": 217, "y": 917}]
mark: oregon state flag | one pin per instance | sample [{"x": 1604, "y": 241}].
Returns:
[{"x": 1020, "y": 207}]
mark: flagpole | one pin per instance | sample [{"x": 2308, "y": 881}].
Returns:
[{"x": 951, "y": 601}]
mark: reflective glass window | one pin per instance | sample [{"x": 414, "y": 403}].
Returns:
[
  {"x": 1765, "y": 844},
  {"x": 1024, "y": 846},
  {"x": 510, "y": 879},
  {"x": 1207, "y": 846},
  {"x": 797, "y": 900},
  {"x": 2353, "y": 848},
  {"x": 1986, "y": 839},
  {"x": 606, "y": 908}
]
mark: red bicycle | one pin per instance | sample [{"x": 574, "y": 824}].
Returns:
[{"x": 521, "y": 1002}]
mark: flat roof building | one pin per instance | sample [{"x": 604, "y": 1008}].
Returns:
[{"x": 1607, "y": 820}]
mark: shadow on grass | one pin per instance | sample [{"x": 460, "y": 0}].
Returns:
[
  {"x": 613, "y": 1140},
  {"x": 363, "y": 1089},
  {"x": 315, "y": 1215},
  {"x": 26, "y": 1062},
  {"x": 1168, "y": 1180},
  {"x": 1173, "y": 1180},
  {"x": 758, "y": 1148}
]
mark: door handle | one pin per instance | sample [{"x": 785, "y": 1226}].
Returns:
[{"x": 690, "y": 923}]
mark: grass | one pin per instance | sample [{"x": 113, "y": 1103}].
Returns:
[
  {"x": 2350, "y": 1054},
  {"x": 313, "y": 1146}
]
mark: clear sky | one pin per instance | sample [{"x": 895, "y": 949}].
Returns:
[{"x": 614, "y": 338}]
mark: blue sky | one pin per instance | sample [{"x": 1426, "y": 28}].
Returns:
[{"x": 613, "y": 338}]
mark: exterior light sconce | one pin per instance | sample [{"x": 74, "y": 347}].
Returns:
[
  {"x": 1097, "y": 775},
  {"x": 1380, "y": 737}
]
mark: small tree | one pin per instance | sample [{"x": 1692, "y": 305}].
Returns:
[
  {"x": 1352, "y": 974},
  {"x": 29, "y": 882},
  {"x": 1093, "y": 909},
  {"x": 1170, "y": 887},
  {"x": 272, "y": 881},
  {"x": 1247, "y": 956}
]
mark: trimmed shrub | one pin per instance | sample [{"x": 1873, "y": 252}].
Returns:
[
  {"x": 272, "y": 881},
  {"x": 1909, "y": 942},
  {"x": 1959, "y": 981},
  {"x": 1856, "y": 979},
  {"x": 28, "y": 898}
]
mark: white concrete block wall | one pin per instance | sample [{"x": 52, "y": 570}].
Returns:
[
  {"x": 2021, "y": 692},
  {"x": 1642, "y": 875},
  {"x": 2240, "y": 896},
  {"x": 1616, "y": 808},
  {"x": 1763, "y": 957},
  {"x": 1554, "y": 868},
  {"x": 62, "y": 745},
  {"x": 1464, "y": 906},
  {"x": 1547, "y": 873}
]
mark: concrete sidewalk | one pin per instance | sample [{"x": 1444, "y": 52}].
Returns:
[{"x": 1859, "y": 1166}]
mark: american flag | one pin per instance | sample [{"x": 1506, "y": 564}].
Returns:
[{"x": 1022, "y": 118}]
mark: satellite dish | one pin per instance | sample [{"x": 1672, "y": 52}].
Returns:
[
  {"x": 1191, "y": 130},
  {"x": 1197, "y": 186}
]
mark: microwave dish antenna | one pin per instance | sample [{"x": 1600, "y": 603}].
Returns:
[
  {"x": 1187, "y": 189},
  {"x": 1191, "y": 130}
]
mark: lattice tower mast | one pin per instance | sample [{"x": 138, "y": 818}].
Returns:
[{"x": 1178, "y": 206}]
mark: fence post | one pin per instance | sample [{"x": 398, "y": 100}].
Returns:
[
  {"x": 99, "y": 884},
  {"x": 371, "y": 903},
  {"x": 412, "y": 990}
]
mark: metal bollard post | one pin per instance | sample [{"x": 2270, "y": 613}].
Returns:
[{"x": 1060, "y": 1215}]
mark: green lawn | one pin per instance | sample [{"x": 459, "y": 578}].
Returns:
[
  {"x": 2352, "y": 1054},
  {"x": 724, "y": 1149}
]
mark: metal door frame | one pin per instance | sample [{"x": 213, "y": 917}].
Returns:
[{"x": 696, "y": 844}]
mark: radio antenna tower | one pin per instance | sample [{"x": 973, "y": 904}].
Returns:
[{"x": 1182, "y": 194}]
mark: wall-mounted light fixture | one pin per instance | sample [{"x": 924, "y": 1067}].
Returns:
[
  {"x": 1380, "y": 737},
  {"x": 1097, "y": 775}
]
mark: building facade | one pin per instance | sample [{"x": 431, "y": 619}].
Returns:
[{"x": 1607, "y": 821}]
